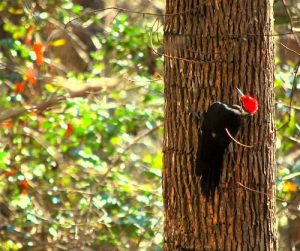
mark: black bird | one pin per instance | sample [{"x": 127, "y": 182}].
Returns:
[{"x": 214, "y": 139}]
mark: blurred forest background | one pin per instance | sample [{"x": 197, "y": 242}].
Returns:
[{"x": 81, "y": 113}]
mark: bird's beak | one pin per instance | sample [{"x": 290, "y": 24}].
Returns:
[{"x": 240, "y": 93}]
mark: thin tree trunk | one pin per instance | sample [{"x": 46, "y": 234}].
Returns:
[{"x": 211, "y": 48}]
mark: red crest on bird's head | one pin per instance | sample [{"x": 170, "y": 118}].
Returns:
[{"x": 250, "y": 104}]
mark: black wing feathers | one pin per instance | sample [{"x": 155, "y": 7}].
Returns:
[{"x": 213, "y": 142}]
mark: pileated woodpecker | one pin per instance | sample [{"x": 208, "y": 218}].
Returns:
[{"x": 219, "y": 119}]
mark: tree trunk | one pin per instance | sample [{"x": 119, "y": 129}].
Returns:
[{"x": 212, "y": 47}]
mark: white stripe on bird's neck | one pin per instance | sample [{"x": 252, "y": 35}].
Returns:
[{"x": 236, "y": 109}]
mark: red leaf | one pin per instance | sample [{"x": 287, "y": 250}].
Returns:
[
  {"x": 8, "y": 124},
  {"x": 23, "y": 184},
  {"x": 31, "y": 76},
  {"x": 20, "y": 87},
  {"x": 10, "y": 173},
  {"x": 28, "y": 36},
  {"x": 24, "y": 191},
  {"x": 38, "y": 49},
  {"x": 69, "y": 130}
]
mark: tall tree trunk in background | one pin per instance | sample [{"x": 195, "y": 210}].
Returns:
[{"x": 212, "y": 47}]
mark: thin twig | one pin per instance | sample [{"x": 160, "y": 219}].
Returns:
[
  {"x": 168, "y": 15},
  {"x": 239, "y": 143},
  {"x": 289, "y": 49},
  {"x": 260, "y": 192},
  {"x": 296, "y": 69},
  {"x": 120, "y": 9},
  {"x": 291, "y": 21},
  {"x": 48, "y": 103},
  {"x": 268, "y": 195},
  {"x": 294, "y": 87}
]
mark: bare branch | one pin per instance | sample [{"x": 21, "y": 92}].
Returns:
[
  {"x": 259, "y": 192},
  {"x": 49, "y": 103},
  {"x": 294, "y": 87}
]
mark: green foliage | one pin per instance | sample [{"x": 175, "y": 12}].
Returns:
[
  {"x": 88, "y": 171},
  {"x": 288, "y": 165}
]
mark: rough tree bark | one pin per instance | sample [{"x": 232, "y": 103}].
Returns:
[{"x": 211, "y": 47}]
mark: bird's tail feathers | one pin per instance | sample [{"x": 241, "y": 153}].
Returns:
[{"x": 210, "y": 172}]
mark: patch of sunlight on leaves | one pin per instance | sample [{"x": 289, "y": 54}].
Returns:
[
  {"x": 76, "y": 9},
  {"x": 146, "y": 187},
  {"x": 150, "y": 124},
  {"x": 112, "y": 201},
  {"x": 158, "y": 203},
  {"x": 66, "y": 180},
  {"x": 123, "y": 178},
  {"x": 278, "y": 143},
  {"x": 62, "y": 221},
  {"x": 25, "y": 152},
  {"x": 68, "y": 222},
  {"x": 84, "y": 163},
  {"x": 39, "y": 170},
  {"x": 32, "y": 218},
  {"x": 83, "y": 184},
  {"x": 116, "y": 140},
  {"x": 103, "y": 113},
  {"x": 278, "y": 83},
  {"x": 155, "y": 172},
  {"x": 84, "y": 203},
  {"x": 284, "y": 77},
  {"x": 99, "y": 202},
  {"x": 55, "y": 200},
  {"x": 53, "y": 231},
  {"x": 4, "y": 159},
  {"x": 86, "y": 152},
  {"x": 283, "y": 220},
  {"x": 134, "y": 157},
  {"x": 148, "y": 158},
  {"x": 22, "y": 201},
  {"x": 10, "y": 246},
  {"x": 130, "y": 108},
  {"x": 101, "y": 167},
  {"x": 47, "y": 124},
  {"x": 127, "y": 138},
  {"x": 279, "y": 186},
  {"x": 51, "y": 150},
  {"x": 158, "y": 238},
  {"x": 115, "y": 94},
  {"x": 88, "y": 119},
  {"x": 143, "y": 199},
  {"x": 157, "y": 161},
  {"x": 126, "y": 188},
  {"x": 105, "y": 218},
  {"x": 154, "y": 162},
  {"x": 283, "y": 172}
]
